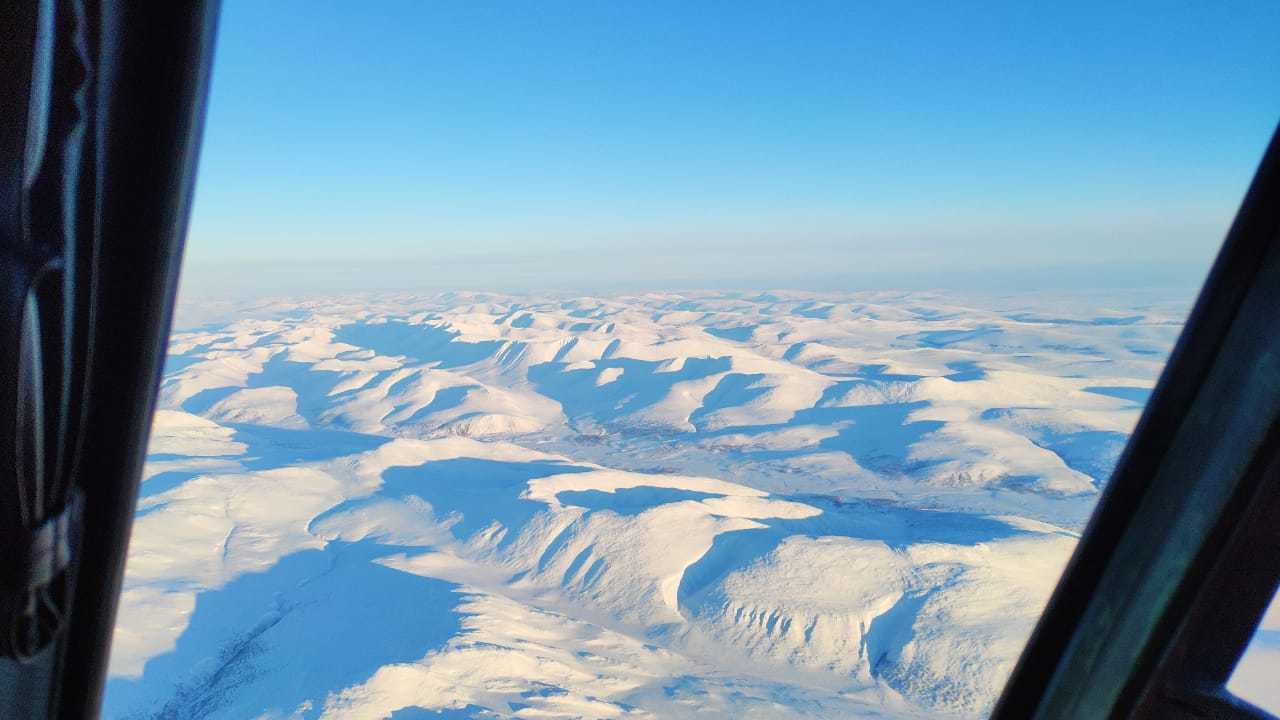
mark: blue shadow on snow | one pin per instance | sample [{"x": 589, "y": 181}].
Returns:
[{"x": 315, "y": 622}]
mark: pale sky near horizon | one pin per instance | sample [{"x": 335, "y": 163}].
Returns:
[{"x": 598, "y": 145}]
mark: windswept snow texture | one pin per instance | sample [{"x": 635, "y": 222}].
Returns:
[{"x": 655, "y": 506}]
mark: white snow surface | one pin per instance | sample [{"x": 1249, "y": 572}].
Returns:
[{"x": 667, "y": 505}]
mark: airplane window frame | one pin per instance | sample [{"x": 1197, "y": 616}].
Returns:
[{"x": 1114, "y": 654}]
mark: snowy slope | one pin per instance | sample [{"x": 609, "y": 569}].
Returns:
[{"x": 659, "y": 506}]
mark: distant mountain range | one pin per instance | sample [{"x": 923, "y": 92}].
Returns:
[{"x": 653, "y": 506}]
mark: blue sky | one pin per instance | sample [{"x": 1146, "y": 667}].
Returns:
[{"x": 598, "y": 145}]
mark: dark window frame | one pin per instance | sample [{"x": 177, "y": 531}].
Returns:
[{"x": 1175, "y": 569}]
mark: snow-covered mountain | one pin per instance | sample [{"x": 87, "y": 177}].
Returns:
[{"x": 653, "y": 506}]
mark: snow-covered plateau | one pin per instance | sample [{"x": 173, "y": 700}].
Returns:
[{"x": 664, "y": 505}]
